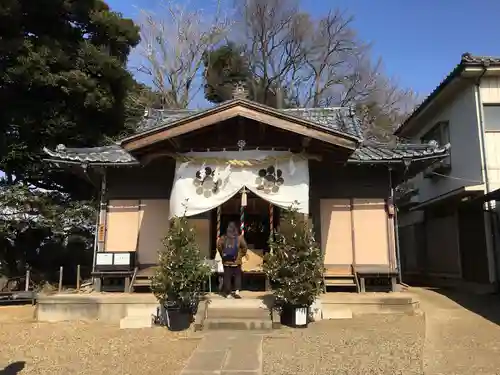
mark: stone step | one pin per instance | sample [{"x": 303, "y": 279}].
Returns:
[
  {"x": 141, "y": 311},
  {"x": 238, "y": 313},
  {"x": 142, "y": 282},
  {"x": 130, "y": 322},
  {"x": 233, "y": 324},
  {"x": 340, "y": 282},
  {"x": 232, "y": 303}
]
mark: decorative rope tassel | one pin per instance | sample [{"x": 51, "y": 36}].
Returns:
[
  {"x": 242, "y": 210},
  {"x": 271, "y": 219},
  {"x": 219, "y": 211},
  {"x": 242, "y": 221}
]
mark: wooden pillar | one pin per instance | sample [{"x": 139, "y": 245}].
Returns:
[
  {"x": 100, "y": 229},
  {"x": 103, "y": 210}
]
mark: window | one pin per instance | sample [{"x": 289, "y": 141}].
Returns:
[
  {"x": 492, "y": 117},
  {"x": 441, "y": 134}
]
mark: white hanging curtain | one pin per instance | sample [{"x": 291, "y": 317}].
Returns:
[{"x": 203, "y": 185}]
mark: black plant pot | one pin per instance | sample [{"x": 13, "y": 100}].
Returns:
[
  {"x": 295, "y": 316},
  {"x": 178, "y": 319}
]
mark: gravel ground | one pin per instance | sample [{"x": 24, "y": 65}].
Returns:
[
  {"x": 459, "y": 335},
  {"x": 462, "y": 333},
  {"x": 87, "y": 348},
  {"x": 364, "y": 345}
]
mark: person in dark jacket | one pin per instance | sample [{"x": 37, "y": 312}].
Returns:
[{"x": 232, "y": 248}]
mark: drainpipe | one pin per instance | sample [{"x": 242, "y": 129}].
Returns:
[
  {"x": 396, "y": 228},
  {"x": 481, "y": 128},
  {"x": 482, "y": 133}
]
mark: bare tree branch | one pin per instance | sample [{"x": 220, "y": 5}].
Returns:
[
  {"x": 267, "y": 30},
  {"x": 172, "y": 46}
]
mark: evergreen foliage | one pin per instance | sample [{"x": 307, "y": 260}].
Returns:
[
  {"x": 180, "y": 275},
  {"x": 295, "y": 262},
  {"x": 63, "y": 79}
]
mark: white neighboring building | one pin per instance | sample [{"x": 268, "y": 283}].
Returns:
[{"x": 447, "y": 231}]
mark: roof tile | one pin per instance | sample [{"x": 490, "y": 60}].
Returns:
[
  {"x": 370, "y": 152},
  {"x": 113, "y": 154},
  {"x": 339, "y": 119}
]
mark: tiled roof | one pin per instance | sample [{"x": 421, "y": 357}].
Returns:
[
  {"x": 156, "y": 118},
  {"x": 339, "y": 119},
  {"x": 113, "y": 154},
  {"x": 467, "y": 60},
  {"x": 371, "y": 152}
]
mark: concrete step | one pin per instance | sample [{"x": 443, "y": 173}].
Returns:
[
  {"x": 130, "y": 322},
  {"x": 232, "y": 303},
  {"x": 142, "y": 310},
  {"x": 340, "y": 282},
  {"x": 238, "y": 313},
  {"x": 142, "y": 282},
  {"x": 238, "y": 324}
]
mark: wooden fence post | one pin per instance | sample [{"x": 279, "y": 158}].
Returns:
[
  {"x": 27, "y": 282},
  {"x": 78, "y": 277},
  {"x": 60, "y": 278}
]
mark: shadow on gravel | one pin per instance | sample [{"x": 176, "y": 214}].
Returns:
[
  {"x": 485, "y": 305},
  {"x": 13, "y": 369}
]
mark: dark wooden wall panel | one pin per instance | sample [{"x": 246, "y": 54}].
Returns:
[
  {"x": 329, "y": 180},
  {"x": 153, "y": 181}
]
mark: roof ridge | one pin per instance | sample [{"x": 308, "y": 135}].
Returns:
[
  {"x": 342, "y": 118},
  {"x": 468, "y": 58},
  {"x": 316, "y": 108}
]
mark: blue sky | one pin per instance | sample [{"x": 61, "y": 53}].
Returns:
[{"x": 420, "y": 41}]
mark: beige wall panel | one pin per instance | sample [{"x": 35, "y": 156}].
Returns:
[
  {"x": 202, "y": 228},
  {"x": 370, "y": 232},
  {"x": 336, "y": 235},
  {"x": 122, "y": 225},
  {"x": 490, "y": 90},
  {"x": 153, "y": 228}
]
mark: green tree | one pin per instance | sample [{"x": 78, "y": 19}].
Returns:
[
  {"x": 227, "y": 65},
  {"x": 224, "y": 67},
  {"x": 63, "y": 79},
  {"x": 181, "y": 272},
  {"x": 295, "y": 262},
  {"x": 45, "y": 230}
]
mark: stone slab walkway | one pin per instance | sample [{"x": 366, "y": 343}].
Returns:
[{"x": 227, "y": 353}]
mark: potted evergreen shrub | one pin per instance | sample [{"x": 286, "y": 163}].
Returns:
[
  {"x": 295, "y": 267},
  {"x": 178, "y": 280}
]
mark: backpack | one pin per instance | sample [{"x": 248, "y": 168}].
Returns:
[{"x": 230, "y": 253}]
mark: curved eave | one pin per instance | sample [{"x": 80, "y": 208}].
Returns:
[
  {"x": 376, "y": 153},
  {"x": 112, "y": 155},
  {"x": 95, "y": 164}
]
